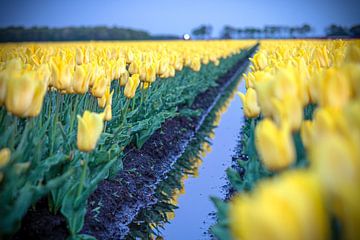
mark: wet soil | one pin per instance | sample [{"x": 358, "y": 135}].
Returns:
[{"x": 114, "y": 204}]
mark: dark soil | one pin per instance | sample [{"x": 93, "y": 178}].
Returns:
[{"x": 115, "y": 202}]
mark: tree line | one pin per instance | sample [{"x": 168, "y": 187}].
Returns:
[
  {"x": 21, "y": 34},
  {"x": 274, "y": 31}
]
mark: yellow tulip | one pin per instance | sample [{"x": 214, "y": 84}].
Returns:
[
  {"x": 289, "y": 110},
  {"x": 124, "y": 78},
  {"x": 135, "y": 67},
  {"x": 81, "y": 80},
  {"x": 264, "y": 90},
  {"x": 321, "y": 57},
  {"x": 107, "y": 114},
  {"x": 4, "y": 157},
  {"x": 306, "y": 132},
  {"x": 106, "y": 98},
  {"x": 90, "y": 126},
  {"x": 101, "y": 83},
  {"x": 79, "y": 56},
  {"x": 150, "y": 73},
  {"x": 352, "y": 74},
  {"x": 353, "y": 54},
  {"x": 61, "y": 74},
  {"x": 290, "y": 206},
  {"x": 250, "y": 105},
  {"x": 195, "y": 64},
  {"x": 37, "y": 101},
  {"x": 335, "y": 159},
  {"x": 20, "y": 92},
  {"x": 260, "y": 61},
  {"x": 274, "y": 145},
  {"x": 3, "y": 83},
  {"x": 131, "y": 86},
  {"x": 335, "y": 89}
]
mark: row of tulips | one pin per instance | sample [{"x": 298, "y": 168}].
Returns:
[
  {"x": 303, "y": 108},
  {"x": 27, "y": 71},
  {"x": 77, "y": 139}
]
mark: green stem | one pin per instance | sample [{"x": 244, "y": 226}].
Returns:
[
  {"x": 82, "y": 177},
  {"x": 73, "y": 114}
]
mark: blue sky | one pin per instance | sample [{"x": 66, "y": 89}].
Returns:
[{"x": 178, "y": 17}]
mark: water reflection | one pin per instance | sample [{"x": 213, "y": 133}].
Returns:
[{"x": 183, "y": 209}]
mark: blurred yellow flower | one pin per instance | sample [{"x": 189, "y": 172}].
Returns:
[
  {"x": 90, "y": 126},
  {"x": 290, "y": 206},
  {"x": 274, "y": 145},
  {"x": 250, "y": 105}
]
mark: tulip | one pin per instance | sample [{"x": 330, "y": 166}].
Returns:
[
  {"x": 353, "y": 54},
  {"x": 250, "y": 105},
  {"x": 260, "y": 61},
  {"x": 81, "y": 80},
  {"x": 335, "y": 89},
  {"x": 274, "y": 145},
  {"x": 61, "y": 75},
  {"x": 37, "y": 101},
  {"x": 3, "y": 83},
  {"x": 306, "y": 133},
  {"x": 290, "y": 110},
  {"x": 352, "y": 74},
  {"x": 264, "y": 90},
  {"x": 20, "y": 92},
  {"x": 123, "y": 78},
  {"x": 195, "y": 64},
  {"x": 131, "y": 86},
  {"x": 107, "y": 114},
  {"x": 4, "y": 157},
  {"x": 150, "y": 73},
  {"x": 135, "y": 67},
  {"x": 106, "y": 98},
  {"x": 101, "y": 83},
  {"x": 321, "y": 57},
  {"x": 294, "y": 200},
  {"x": 335, "y": 159},
  {"x": 163, "y": 65},
  {"x": 89, "y": 130}
]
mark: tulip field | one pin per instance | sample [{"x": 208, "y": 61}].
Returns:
[
  {"x": 68, "y": 111},
  {"x": 72, "y": 115},
  {"x": 300, "y": 156}
]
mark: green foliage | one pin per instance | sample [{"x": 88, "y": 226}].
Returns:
[{"x": 44, "y": 157}]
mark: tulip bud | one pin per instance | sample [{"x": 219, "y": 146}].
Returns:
[
  {"x": 4, "y": 157},
  {"x": 260, "y": 61},
  {"x": 81, "y": 79},
  {"x": 334, "y": 89},
  {"x": 250, "y": 105},
  {"x": 100, "y": 83},
  {"x": 107, "y": 114},
  {"x": 274, "y": 145},
  {"x": 20, "y": 92},
  {"x": 289, "y": 110},
  {"x": 90, "y": 126},
  {"x": 61, "y": 77},
  {"x": 124, "y": 78},
  {"x": 131, "y": 86}
]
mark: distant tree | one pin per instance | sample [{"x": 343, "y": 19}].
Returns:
[
  {"x": 355, "y": 31},
  {"x": 335, "y": 30},
  {"x": 228, "y": 32},
  {"x": 202, "y": 31},
  {"x": 20, "y": 34}
]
